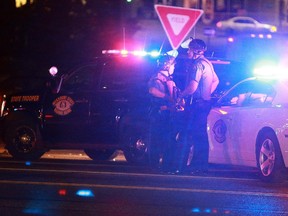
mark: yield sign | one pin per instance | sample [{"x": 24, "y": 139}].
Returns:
[{"x": 177, "y": 22}]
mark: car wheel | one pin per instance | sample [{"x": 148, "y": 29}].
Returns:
[
  {"x": 135, "y": 146},
  {"x": 269, "y": 157},
  {"x": 23, "y": 141},
  {"x": 100, "y": 154}
]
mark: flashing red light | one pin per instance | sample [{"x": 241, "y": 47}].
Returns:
[
  {"x": 49, "y": 116},
  {"x": 110, "y": 51},
  {"x": 62, "y": 192},
  {"x": 125, "y": 53}
]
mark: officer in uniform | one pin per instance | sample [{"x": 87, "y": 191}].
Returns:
[
  {"x": 201, "y": 81},
  {"x": 161, "y": 87}
]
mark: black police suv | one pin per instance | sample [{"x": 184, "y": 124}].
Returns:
[{"x": 86, "y": 108}]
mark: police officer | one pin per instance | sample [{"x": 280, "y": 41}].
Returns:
[
  {"x": 161, "y": 87},
  {"x": 201, "y": 81}
]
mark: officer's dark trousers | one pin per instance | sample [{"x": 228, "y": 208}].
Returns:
[
  {"x": 194, "y": 133},
  {"x": 159, "y": 142}
]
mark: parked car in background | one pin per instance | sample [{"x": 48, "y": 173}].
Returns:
[
  {"x": 242, "y": 24},
  {"x": 248, "y": 126}
]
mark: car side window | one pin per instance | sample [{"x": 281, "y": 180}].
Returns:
[
  {"x": 244, "y": 21},
  {"x": 123, "y": 74},
  {"x": 82, "y": 78},
  {"x": 262, "y": 94},
  {"x": 249, "y": 93},
  {"x": 237, "y": 95},
  {"x": 113, "y": 77}
]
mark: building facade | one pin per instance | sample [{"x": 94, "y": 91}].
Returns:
[{"x": 270, "y": 11}]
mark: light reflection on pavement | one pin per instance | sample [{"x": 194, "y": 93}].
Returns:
[
  {"x": 75, "y": 154},
  {"x": 65, "y": 154}
]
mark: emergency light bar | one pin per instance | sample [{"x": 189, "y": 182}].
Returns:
[
  {"x": 232, "y": 39},
  {"x": 134, "y": 52}
]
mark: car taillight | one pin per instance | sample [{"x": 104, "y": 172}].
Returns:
[{"x": 219, "y": 24}]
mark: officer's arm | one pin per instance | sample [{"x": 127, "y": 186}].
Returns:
[
  {"x": 170, "y": 85},
  {"x": 157, "y": 93},
  {"x": 190, "y": 89},
  {"x": 215, "y": 82}
]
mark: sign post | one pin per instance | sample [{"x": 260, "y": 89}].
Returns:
[{"x": 177, "y": 22}]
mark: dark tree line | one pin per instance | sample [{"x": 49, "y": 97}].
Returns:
[{"x": 62, "y": 32}]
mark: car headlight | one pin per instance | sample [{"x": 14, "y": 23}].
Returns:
[{"x": 273, "y": 29}]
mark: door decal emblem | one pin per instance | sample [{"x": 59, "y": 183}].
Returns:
[
  {"x": 63, "y": 105},
  {"x": 219, "y": 130}
]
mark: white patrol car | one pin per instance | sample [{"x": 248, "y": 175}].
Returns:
[{"x": 248, "y": 126}]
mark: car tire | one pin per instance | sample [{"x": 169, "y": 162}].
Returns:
[
  {"x": 23, "y": 140},
  {"x": 135, "y": 146},
  {"x": 100, "y": 154},
  {"x": 270, "y": 162}
]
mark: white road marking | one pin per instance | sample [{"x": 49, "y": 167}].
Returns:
[
  {"x": 190, "y": 190},
  {"x": 122, "y": 173}
]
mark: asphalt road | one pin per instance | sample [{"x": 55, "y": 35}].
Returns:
[{"x": 84, "y": 187}]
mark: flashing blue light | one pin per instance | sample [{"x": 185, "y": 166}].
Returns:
[
  {"x": 28, "y": 163},
  {"x": 85, "y": 193},
  {"x": 155, "y": 53},
  {"x": 32, "y": 211},
  {"x": 196, "y": 210},
  {"x": 207, "y": 211},
  {"x": 270, "y": 70}
]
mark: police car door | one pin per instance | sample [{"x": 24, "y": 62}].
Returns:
[
  {"x": 67, "y": 112},
  {"x": 121, "y": 88},
  {"x": 248, "y": 117},
  {"x": 225, "y": 126},
  {"x": 107, "y": 102}
]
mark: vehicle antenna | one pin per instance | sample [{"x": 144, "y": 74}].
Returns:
[
  {"x": 160, "y": 50},
  {"x": 145, "y": 41},
  {"x": 124, "y": 39}
]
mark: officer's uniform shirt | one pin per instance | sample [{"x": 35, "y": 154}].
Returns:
[
  {"x": 163, "y": 83},
  {"x": 201, "y": 70},
  {"x": 158, "y": 81}
]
